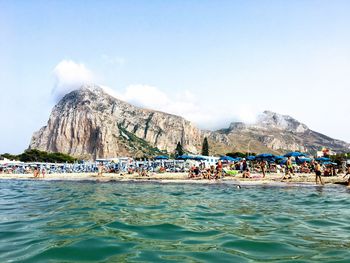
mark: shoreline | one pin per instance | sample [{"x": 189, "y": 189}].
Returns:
[{"x": 270, "y": 179}]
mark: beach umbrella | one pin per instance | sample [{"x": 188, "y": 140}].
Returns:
[
  {"x": 271, "y": 160},
  {"x": 251, "y": 158},
  {"x": 228, "y": 159},
  {"x": 184, "y": 157},
  {"x": 328, "y": 162},
  {"x": 265, "y": 156},
  {"x": 302, "y": 160},
  {"x": 294, "y": 154},
  {"x": 322, "y": 159},
  {"x": 279, "y": 157},
  {"x": 199, "y": 158},
  {"x": 161, "y": 157},
  {"x": 285, "y": 161}
]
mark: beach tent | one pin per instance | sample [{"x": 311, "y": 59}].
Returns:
[
  {"x": 294, "y": 154},
  {"x": 161, "y": 157}
]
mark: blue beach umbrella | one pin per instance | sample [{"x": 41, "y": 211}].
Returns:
[
  {"x": 228, "y": 158},
  {"x": 271, "y": 160},
  {"x": 302, "y": 160},
  {"x": 328, "y": 162},
  {"x": 161, "y": 157},
  {"x": 199, "y": 158},
  {"x": 279, "y": 157},
  {"x": 184, "y": 157},
  {"x": 294, "y": 154},
  {"x": 265, "y": 156},
  {"x": 322, "y": 159},
  {"x": 285, "y": 161},
  {"x": 251, "y": 158}
]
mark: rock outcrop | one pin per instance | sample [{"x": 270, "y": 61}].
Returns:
[{"x": 89, "y": 123}]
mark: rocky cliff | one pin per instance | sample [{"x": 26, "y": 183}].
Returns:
[
  {"x": 278, "y": 133},
  {"x": 89, "y": 123}
]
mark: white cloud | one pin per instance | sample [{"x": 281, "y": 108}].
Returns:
[
  {"x": 69, "y": 76},
  {"x": 205, "y": 114}
]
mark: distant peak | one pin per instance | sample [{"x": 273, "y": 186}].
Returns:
[
  {"x": 269, "y": 119},
  {"x": 272, "y": 120}
]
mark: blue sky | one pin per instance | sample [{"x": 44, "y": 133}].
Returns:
[{"x": 211, "y": 61}]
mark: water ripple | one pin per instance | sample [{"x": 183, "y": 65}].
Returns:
[{"x": 144, "y": 222}]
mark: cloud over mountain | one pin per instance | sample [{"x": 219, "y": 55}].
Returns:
[{"x": 69, "y": 76}]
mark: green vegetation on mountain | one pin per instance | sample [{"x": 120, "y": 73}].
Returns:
[
  {"x": 140, "y": 147},
  {"x": 205, "y": 147},
  {"x": 239, "y": 154},
  {"x": 179, "y": 150}
]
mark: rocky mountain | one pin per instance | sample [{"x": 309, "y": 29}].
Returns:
[
  {"x": 278, "y": 133},
  {"x": 89, "y": 123}
]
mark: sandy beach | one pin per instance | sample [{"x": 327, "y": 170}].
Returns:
[{"x": 273, "y": 178}]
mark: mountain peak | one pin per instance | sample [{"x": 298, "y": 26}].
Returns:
[
  {"x": 92, "y": 123},
  {"x": 273, "y": 120},
  {"x": 269, "y": 120}
]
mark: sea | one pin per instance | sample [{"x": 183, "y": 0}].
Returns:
[{"x": 65, "y": 221}]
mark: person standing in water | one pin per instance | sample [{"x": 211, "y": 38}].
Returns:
[{"x": 318, "y": 173}]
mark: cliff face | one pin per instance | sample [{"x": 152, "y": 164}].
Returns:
[{"x": 88, "y": 123}]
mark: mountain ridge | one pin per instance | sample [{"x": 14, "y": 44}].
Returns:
[{"x": 91, "y": 123}]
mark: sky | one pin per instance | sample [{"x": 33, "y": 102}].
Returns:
[{"x": 212, "y": 62}]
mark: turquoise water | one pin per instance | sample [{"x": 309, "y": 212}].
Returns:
[{"x": 149, "y": 222}]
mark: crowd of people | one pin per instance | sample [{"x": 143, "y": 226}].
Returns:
[
  {"x": 262, "y": 167},
  {"x": 197, "y": 170}
]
